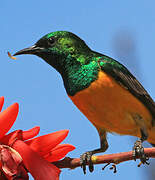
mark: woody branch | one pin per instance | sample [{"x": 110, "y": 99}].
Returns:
[{"x": 106, "y": 158}]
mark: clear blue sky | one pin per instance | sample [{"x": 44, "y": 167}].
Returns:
[{"x": 39, "y": 89}]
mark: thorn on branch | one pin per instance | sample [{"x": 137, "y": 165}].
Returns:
[
  {"x": 105, "y": 166},
  {"x": 113, "y": 167}
]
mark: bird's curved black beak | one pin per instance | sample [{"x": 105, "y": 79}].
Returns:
[{"x": 30, "y": 50}]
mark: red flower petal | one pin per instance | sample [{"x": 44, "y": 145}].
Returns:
[
  {"x": 1, "y": 102},
  {"x": 36, "y": 165},
  {"x": 7, "y": 118},
  {"x": 59, "y": 152},
  {"x": 19, "y": 134},
  {"x": 31, "y": 133},
  {"x": 45, "y": 143},
  {"x": 10, "y": 138}
]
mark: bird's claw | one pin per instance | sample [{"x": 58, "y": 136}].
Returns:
[
  {"x": 85, "y": 159},
  {"x": 138, "y": 151}
]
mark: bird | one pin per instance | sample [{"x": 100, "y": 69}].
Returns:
[{"x": 103, "y": 89}]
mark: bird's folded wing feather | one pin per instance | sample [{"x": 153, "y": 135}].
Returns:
[{"x": 121, "y": 74}]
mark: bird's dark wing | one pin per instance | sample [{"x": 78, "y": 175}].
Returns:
[{"x": 121, "y": 74}]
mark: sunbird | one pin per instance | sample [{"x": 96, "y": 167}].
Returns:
[{"x": 103, "y": 89}]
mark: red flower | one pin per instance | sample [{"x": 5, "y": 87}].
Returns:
[{"x": 36, "y": 155}]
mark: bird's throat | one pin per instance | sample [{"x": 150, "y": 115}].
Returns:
[{"x": 77, "y": 78}]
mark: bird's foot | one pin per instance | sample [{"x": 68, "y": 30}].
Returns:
[
  {"x": 138, "y": 151},
  {"x": 85, "y": 159}
]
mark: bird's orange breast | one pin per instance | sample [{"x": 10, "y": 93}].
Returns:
[{"x": 109, "y": 105}]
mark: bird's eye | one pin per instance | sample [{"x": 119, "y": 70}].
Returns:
[{"x": 51, "y": 40}]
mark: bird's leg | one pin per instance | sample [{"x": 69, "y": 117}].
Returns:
[
  {"x": 138, "y": 150},
  {"x": 85, "y": 158}
]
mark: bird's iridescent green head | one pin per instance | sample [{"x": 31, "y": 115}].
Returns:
[
  {"x": 70, "y": 56},
  {"x": 59, "y": 49}
]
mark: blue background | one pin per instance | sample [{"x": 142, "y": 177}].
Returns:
[{"x": 124, "y": 30}]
